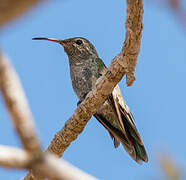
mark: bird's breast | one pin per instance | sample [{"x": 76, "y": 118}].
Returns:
[{"x": 83, "y": 79}]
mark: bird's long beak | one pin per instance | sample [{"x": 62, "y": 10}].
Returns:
[{"x": 50, "y": 39}]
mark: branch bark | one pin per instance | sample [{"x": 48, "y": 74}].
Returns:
[
  {"x": 132, "y": 44},
  {"x": 123, "y": 63}
]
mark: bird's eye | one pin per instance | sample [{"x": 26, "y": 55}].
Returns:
[{"x": 79, "y": 42}]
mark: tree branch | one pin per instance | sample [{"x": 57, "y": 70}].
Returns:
[
  {"x": 44, "y": 164},
  {"x": 14, "y": 158},
  {"x": 17, "y": 105},
  {"x": 50, "y": 166},
  {"x": 132, "y": 44},
  {"x": 11, "y": 9}
]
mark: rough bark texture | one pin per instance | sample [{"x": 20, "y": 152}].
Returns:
[
  {"x": 12, "y": 9},
  {"x": 131, "y": 47}
]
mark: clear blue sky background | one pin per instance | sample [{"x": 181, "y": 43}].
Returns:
[{"x": 157, "y": 98}]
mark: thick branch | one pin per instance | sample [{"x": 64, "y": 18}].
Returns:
[
  {"x": 123, "y": 63},
  {"x": 132, "y": 44},
  {"x": 11, "y": 9},
  {"x": 17, "y": 105},
  {"x": 45, "y": 164},
  {"x": 75, "y": 125},
  {"x": 61, "y": 170},
  {"x": 50, "y": 166}
]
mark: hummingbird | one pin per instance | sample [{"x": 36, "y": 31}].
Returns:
[{"x": 85, "y": 68}]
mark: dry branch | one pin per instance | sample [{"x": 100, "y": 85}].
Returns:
[
  {"x": 51, "y": 166},
  {"x": 123, "y": 63},
  {"x": 45, "y": 164},
  {"x": 61, "y": 170},
  {"x": 132, "y": 44},
  {"x": 17, "y": 105},
  {"x": 14, "y": 158},
  {"x": 12, "y": 9}
]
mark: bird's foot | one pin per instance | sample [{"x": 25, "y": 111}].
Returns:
[{"x": 81, "y": 100}]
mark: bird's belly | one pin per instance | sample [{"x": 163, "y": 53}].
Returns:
[{"x": 83, "y": 79}]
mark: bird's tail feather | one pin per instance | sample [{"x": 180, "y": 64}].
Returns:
[
  {"x": 134, "y": 137},
  {"x": 116, "y": 135},
  {"x": 135, "y": 149}
]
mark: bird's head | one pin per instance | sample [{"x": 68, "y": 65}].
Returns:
[{"x": 77, "y": 47}]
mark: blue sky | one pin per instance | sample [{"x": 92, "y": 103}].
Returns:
[{"x": 157, "y": 98}]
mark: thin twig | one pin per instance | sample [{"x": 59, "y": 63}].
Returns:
[
  {"x": 168, "y": 167},
  {"x": 177, "y": 9},
  {"x": 14, "y": 158}
]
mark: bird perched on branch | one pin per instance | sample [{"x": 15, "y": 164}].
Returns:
[{"x": 85, "y": 68}]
